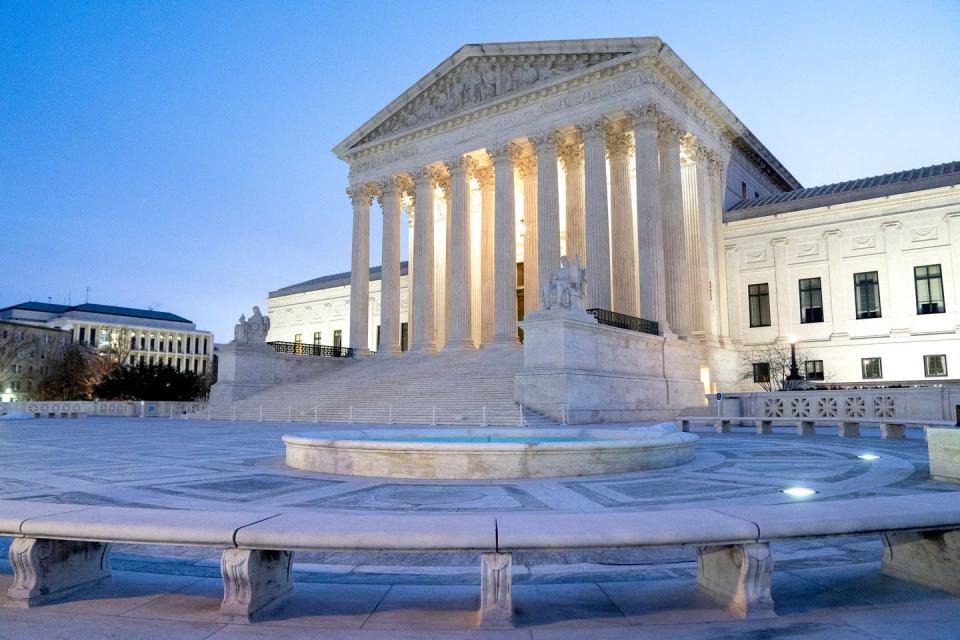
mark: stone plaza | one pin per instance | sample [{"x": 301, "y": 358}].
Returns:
[{"x": 826, "y": 588}]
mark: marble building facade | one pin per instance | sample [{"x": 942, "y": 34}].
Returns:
[{"x": 615, "y": 152}]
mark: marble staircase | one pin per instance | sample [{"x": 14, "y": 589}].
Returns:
[{"x": 462, "y": 388}]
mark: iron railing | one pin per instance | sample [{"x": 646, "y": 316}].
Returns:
[
  {"x": 321, "y": 350},
  {"x": 623, "y": 321}
]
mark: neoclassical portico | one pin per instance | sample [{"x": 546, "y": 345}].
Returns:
[{"x": 520, "y": 153}]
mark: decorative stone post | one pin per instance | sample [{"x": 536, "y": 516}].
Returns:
[
  {"x": 679, "y": 302},
  {"x": 422, "y": 298},
  {"x": 781, "y": 287},
  {"x": 505, "y": 245},
  {"x": 596, "y": 219},
  {"x": 548, "y": 208},
  {"x": 458, "y": 267},
  {"x": 622, "y": 232},
  {"x": 896, "y": 279},
  {"x": 646, "y": 121},
  {"x": 361, "y": 196},
  {"x": 531, "y": 286},
  {"x": 390, "y": 274},
  {"x": 838, "y": 287},
  {"x": 485, "y": 177},
  {"x": 571, "y": 156}
]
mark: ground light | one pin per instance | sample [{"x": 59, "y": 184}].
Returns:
[
  {"x": 868, "y": 456},
  {"x": 798, "y": 492}
]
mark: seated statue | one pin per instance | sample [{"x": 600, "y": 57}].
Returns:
[
  {"x": 565, "y": 289},
  {"x": 252, "y": 330}
]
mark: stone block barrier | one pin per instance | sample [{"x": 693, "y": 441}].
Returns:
[
  {"x": 104, "y": 408},
  {"x": 59, "y": 549}
]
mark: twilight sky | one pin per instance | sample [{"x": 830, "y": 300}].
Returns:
[{"x": 176, "y": 155}]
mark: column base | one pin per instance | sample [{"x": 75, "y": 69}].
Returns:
[
  {"x": 388, "y": 352},
  {"x": 424, "y": 348},
  {"x": 455, "y": 345},
  {"x": 503, "y": 342}
]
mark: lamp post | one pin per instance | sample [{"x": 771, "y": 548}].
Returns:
[{"x": 794, "y": 378}]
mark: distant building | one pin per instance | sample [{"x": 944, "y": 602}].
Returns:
[
  {"x": 26, "y": 351},
  {"x": 136, "y": 335}
]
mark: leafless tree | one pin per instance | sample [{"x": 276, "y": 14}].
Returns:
[
  {"x": 768, "y": 365},
  {"x": 18, "y": 348}
]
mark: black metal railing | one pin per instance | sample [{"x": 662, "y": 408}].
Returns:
[
  {"x": 320, "y": 350},
  {"x": 623, "y": 321}
]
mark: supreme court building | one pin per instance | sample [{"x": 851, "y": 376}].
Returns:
[{"x": 507, "y": 156}]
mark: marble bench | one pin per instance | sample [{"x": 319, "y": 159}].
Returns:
[
  {"x": 890, "y": 428},
  {"x": 58, "y": 549}
]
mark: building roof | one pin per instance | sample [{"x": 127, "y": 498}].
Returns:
[
  {"x": 939, "y": 175},
  {"x": 61, "y": 309},
  {"x": 329, "y": 282}
]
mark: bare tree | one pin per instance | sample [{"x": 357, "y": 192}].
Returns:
[
  {"x": 18, "y": 348},
  {"x": 117, "y": 348},
  {"x": 768, "y": 365}
]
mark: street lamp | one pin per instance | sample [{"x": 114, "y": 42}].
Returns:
[{"x": 793, "y": 380}]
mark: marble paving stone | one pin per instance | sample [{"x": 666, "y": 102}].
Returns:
[
  {"x": 766, "y": 630},
  {"x": 265, "y": 632},
  {"x": 657, "y": 602},
  {"x": 197, "y": 602},
  {"x": 21, "y": 625},
  {"x": 427, "y": 608},
  {"x": 326, "y": 606},
  {"x": 565, "y": 605}
]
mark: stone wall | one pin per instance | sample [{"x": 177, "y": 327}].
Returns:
[
  {"x": 936, "y": 403},
  {"x": 115, "y": 408},
  {"x": 582, "y": 372}
]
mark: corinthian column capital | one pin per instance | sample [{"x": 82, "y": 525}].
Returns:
[
  {"x": 571, "y": 155},
  {"x": 670, "y": 130},
  {"x": 646, "y": 116},
  {"x": 550, "y": 139},
  {"x": 618, "y": 144},
  {"x": 456, "y": 164},
  {"x": 505, "y": 151},
  {"x": 360, "y": 194},
  {"x": 484, "y": 176},
  {"x": 527, "y": 165}
]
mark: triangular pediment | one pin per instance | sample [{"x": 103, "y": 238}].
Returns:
[{"x": 479, "y": 74}]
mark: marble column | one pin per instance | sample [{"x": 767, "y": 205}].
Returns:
[
  {"x": 361, "y": 196},
  {"x": 458, "y": 268},
  {"x": 838, "y": 284},
  {"x": 505, "y": 245},
  {"x": 391, "y": 190},
  {"x": 696, "y": 199},
  {"x": 718, "y": 173},
  {"x": 735, "y": 292},
  {"x": 653, "y": 302},
  {"x": 485, "y": 176},
  {"x": 441, "y": 261},
  {"x": 423, "y": 337},
  {"x": 897, "y": 281},
  {"x": 531, "y": 286},
  {"x": 679, "y": 302},
  {"x": 596, "y": 218},
  {"x": 548, "y": 207},
  {"x": 571, "y": 157},
  {"x": 623, "y": 249}
]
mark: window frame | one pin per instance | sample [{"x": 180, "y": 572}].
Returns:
[
  {"x": 810, "y": 292},
  {"x": 926, "y": 279},
  {"x": 863, "y": 368},
  {"x": 760, "y": 366},
  {"x": 806, "y": 370},
  {"x": 863, "y": 314},
  {"x": 926, "y": 368},
  {"x": 760, "y": 297}
]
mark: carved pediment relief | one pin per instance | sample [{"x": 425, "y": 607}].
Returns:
[{"x": 484, "y": 79}]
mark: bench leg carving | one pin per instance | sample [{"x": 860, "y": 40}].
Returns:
[
  {"x": 253, "y": 581},
  {"x": 764, "y": 426},
  {"x": 806, "y": 428},
  {"x": 47, "y": 569},
  {"x": 931, "y": 558},
  {"x": 848, "y": 429},
  {"x": 738, "y": 576},
  {"x": 890, "y": 431},
  {"x": 496, "y": 586}
]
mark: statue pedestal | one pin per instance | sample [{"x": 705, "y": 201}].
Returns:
[{"x": 585, "y": 372}]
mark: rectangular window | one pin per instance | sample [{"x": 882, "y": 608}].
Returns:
[
  {"x": 188, "y": 344},
  {"x": 194, "y": 366},
  {"x": 93, "y": 336},
  {"x": 143, "y": 343},
  {"x": 179, "y": 364},
  {"x": 132, "y": 360},
  {"x": 811, "y": 301},
  {"x": 867, "y": 293},
  {"x": 316, "y": 337},
  {"x": 761, "y": 372},
  {"x": 338, "y": 337},
  {"x": 298, "y": 343},
  {"x": 203, "y": 367},
  {"x": 743, "y": 190},
  {"x": 161, "y": 345},
  {"x": 928, "y": 281},
  {"x": 170, "y": 345},
  {"x": 935, "y": 366},
  {"x": 133, "y": 343},
  {"x": 204, "y": 346},
  {"x": 759, "y": 295},
  {"x": 813, "y": 369},
  {"x": 871, "y": 368},
  {"x": 83, "y": 335},
  {"x": 153, "y": 344}
]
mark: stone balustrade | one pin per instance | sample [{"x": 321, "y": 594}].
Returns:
[
  {"x": 59, "y": 549},
  {"x": 117, "y": 408}
]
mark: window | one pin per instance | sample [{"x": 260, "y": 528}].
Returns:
[
  {"x": 204, "y": 346},
  {"x": 935, "y": 366},
  {"x": 133, "y": 343},
  {"x": 179, "y": 345},
  {"x": 743, "y": 190},
  {"x": 759, "y": 305},
  {"x": 143, "y": 343},
  {"x": 83, "y": 334},
  {"x": 203, "y": 367},
  {"x": 188, "y": 344},
  {"x": 153, "y": 345},
  {"x": 867, "y": 293},
  {"x": 132, "y": 360},
  {"x": 170, "y": 345},
  {"x": 93, "y": 336},
  {"x": 194, "y": 366},
  {"x": 338, "y": 337},
  {"x": 761, "y": 372},
  {"x": 928, "y": 281},
  {"x": 871, "y": 368},
  {"x": 179, "y": 364},
  {"x": 298, "y": 343},
  {"x": 161, "y": 345},
  {"x": 811, "y": 301},
  {"x": 316, "y": 338},
  {"x": 813, "y": 369}
]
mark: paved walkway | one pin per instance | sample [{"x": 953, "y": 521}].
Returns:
[{"x": 823, "y": 588}]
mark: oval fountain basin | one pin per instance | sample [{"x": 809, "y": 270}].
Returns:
[{"x": 488, "y": 453}]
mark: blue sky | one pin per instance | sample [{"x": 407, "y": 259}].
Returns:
[{"x": 176, "y": 155}]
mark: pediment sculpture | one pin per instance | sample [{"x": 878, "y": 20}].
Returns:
[
  {"x": 482, "y": 79},
  {"x": 565, "y": 289},
  {"x": 252, "y": 330}
]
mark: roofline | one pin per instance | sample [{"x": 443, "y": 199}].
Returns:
[
  {"x": 332, "y": 280},
  {"x": 843, "y": 197},
  {"x": 77, "y": 307}
]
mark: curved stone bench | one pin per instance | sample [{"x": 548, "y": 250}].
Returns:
[
  {"x": 59, "y": 549},
  {"x": 890, "y": 428}
]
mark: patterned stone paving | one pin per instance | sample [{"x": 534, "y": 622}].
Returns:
[{"x": 238, "y": 465}]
